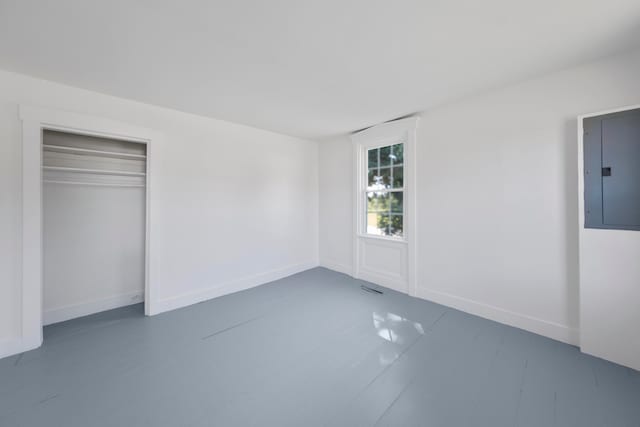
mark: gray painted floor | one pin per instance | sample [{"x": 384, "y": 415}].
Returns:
[{"x": 311, "y": 349}]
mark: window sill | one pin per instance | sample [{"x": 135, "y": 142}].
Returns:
[{"x": 388, "y": 239}]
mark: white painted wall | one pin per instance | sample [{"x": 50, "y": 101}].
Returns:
[
  {"x": 497, "y": 196},
  {"x": 336, "y": 203},
  {"x": 236, "y": 206},
  {"x": 93, "y": 249},
  {"x": 609, "y": 295}
]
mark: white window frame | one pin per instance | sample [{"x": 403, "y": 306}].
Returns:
[
  {"x": 402, "y": 130},
  {"x": 365, "y": 190}
]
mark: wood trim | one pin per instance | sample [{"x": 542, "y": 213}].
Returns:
[
  {"x": 379, "y": 135},
  {"x": 60, "y": 314},
  {"x": 538, "y": 326},
  {"x": 210, "y": 292},
  {"x": 34, "y": 121}
]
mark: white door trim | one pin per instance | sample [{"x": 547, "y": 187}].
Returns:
[
  {"x": 34, "y": 120},
  {"x": 382, "y": 134}
]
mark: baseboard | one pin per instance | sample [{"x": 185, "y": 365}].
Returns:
[
  {"x": 11, "y": 347},
  {"x": 20, "y": 345},
  {"x": 545, "y": 328},
  {"x": 68, "y": 312},
  {"x": 336, "y": 266},
  {"x": 190, "y": 298},
  {"x": 629, "y": 362},
  {"x": 388, "y": 281},
  {"x": 16, "y": 346}
]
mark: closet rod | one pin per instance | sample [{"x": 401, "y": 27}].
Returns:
[
  {"x": 98, "y": 184},
  {"x": 96, "y": 171},
  {"x": 91, "y": 151}
]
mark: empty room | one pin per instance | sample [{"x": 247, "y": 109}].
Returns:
[{"x": 324, "y": 213}]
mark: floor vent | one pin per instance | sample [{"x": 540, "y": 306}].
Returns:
[{"x": 371, "y": 290}]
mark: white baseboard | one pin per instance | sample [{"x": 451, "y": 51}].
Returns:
[
  {"x": 11, "y": 347},
  {"x": 15, "y": 346},
  {"x": 388, "y": 281},
  {"x": 60, "y": 314},
  {"x": 68, "y": 312},
  {"x": 541, "y": 327},
  {"x": 190, "y": 298},
  {"x": 545, "y": 328},
  {"x": 336, "y": 266}
]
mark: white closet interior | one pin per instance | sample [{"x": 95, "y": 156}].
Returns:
[{"x": 93, "y": 224}]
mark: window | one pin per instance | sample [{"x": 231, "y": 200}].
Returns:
[{"x": 385, "y": 191}]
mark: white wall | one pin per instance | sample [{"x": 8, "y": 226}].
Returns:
[
  {"x": 497, "y": 196},
  {"x": 93, "y": 249},
  {"x": 336, "y": 202},
  {"x": 236, "y": 206}
]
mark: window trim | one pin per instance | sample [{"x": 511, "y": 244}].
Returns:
[
  {"x": 401, "y": 130},
  {"x": 390, "y": 133}
]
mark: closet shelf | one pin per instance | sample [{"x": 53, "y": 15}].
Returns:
[
  {"x": 94, "y": 171},
  {"x": 97, "y": 184},
  {"x": 91, "y": 151}
]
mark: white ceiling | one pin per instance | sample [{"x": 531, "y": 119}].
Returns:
[{"x": 305, "y": 68}]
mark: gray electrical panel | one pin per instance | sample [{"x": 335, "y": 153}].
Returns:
[{"x": 612, "y": 171}]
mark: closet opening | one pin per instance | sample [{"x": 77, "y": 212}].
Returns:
[{"x": 94, "y": 217}]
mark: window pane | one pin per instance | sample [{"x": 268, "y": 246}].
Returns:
[
  {"x": 390, "y": 202},
  {"x": 398, "y": 177},
  {"x": 384, "y": 213},
  {"x": 377, "y": 224},
  {"x": 385, "y": 176},
  {"x": 373, "y": 158},
  {"x": 395, "y": 202},
  {"x": 395, "y": 225},
  {"x": 397, "y": 153},
  {"x": 379, "y": 180},
  {"x": 382, "y": 224},
  {"x": 385, "y": 156},
  {"x": 372, "y": 179},
  {"x": 377, "y": 202}
]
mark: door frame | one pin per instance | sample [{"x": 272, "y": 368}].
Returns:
[
  {"x": 34, "y": 121},
  {"x": 387, "y": 133}
]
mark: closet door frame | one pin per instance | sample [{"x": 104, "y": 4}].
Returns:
[{"x": 34, "y": 122}]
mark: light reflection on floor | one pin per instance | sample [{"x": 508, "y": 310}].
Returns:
[{"x": 395, "y": 329}]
